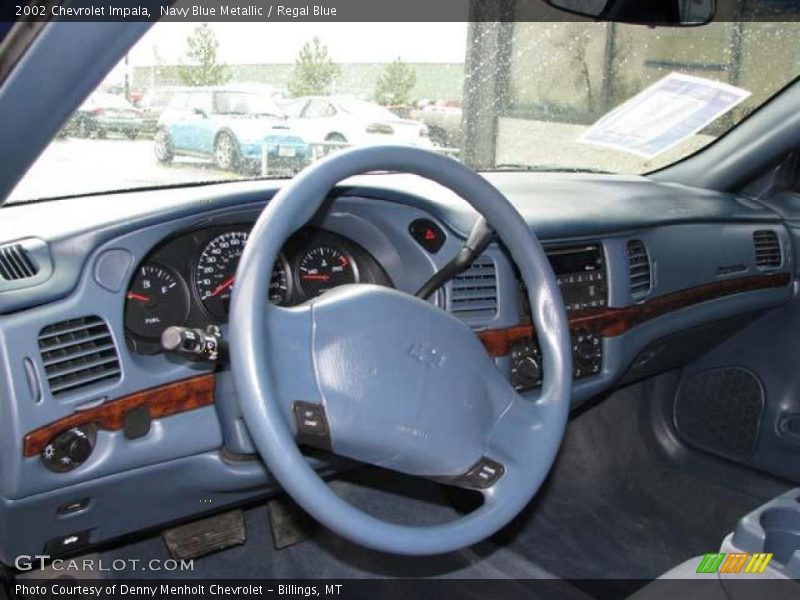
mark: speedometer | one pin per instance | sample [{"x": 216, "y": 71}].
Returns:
[{"x": 215, "y": 274}]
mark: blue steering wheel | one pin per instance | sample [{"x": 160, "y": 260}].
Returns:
[{"x": 385, "y": 378}]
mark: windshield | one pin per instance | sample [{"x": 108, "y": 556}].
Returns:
[{"x": 530, "y": 96}]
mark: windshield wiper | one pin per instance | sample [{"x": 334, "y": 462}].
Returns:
[{"x": 546, "y": 168}]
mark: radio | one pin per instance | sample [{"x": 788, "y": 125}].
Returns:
[{"x": 581, "y": 275}]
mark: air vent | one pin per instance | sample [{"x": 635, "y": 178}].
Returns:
[
  {"x": 768, "y": 249},
  {"x": 78, "y": 353},
  {"x": 639, "y": 266},
  {"x": 474, "y": 293},
  {"x": 15, "y": 263}
]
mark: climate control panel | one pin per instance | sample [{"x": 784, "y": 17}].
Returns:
[{"x": 526, "y": 359}]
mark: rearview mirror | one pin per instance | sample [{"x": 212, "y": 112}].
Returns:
[
  {"x": 645, "y": 12},
  {"x": 201, "y": 112}
]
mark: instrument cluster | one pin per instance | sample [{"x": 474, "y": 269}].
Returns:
[{"x": 189, "y": 279}]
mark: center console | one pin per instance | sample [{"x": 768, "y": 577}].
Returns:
[
  {"x": 765, "y": 540},
  {"x": 582, "y": 277}
]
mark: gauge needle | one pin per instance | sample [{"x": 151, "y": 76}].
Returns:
[
  {"x": 139, "y": 297},
  {"x": 317, "y": 277},
  {"x": 223, "y": 286}
]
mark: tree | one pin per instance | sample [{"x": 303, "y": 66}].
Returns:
[
  {"x": 587, "y": 58},
  {"x": 394, "y": 86},
  {"x": 314, "y": 71},
  {"x": 201, "y": 53},
  {"x": 575, "y": 48}
]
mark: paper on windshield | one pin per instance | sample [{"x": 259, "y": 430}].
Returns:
[{"x": 662, "y": 116}]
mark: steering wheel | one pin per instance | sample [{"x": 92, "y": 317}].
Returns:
[{"x": 385, "y": 378}]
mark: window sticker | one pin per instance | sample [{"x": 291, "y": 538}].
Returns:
[{"x": 663, "y": 115}]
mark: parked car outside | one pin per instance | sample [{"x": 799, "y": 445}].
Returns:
[
  {"x": 119, "y": 89},
  {"x": 104, "y": 113},
  {"x": 443, "y": 120},
  {"x": 153, "y": 104},
  {"x": 352, "y": 121},
  {"x": 230, "y": 126}
]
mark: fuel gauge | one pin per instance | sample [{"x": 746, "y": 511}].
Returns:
[{"x": 157, "y": 298}]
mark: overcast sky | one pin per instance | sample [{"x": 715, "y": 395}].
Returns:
[{"x": 241, "y": 43}]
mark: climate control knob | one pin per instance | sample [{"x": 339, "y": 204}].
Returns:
[
  {"x": 587, "y": 353},
  {"x": 526, "y": 366}
]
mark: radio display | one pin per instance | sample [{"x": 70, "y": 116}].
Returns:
[{"x": 568, "y": 261}]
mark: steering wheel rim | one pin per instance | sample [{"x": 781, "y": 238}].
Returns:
[{"x": 523, "y": 436}]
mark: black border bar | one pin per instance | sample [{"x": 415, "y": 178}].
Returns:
[{"x": 343, "y": 10}]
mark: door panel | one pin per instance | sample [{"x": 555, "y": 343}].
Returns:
[{"x": 743, "y": 398}]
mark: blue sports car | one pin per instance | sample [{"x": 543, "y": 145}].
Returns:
[{"x": 234, "y": 127}]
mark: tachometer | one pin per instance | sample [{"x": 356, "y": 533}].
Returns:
[
  {"x": 156, "y": 299},
  {"x": 215, "y": 274},
  {"x": 324, "y": 267}
]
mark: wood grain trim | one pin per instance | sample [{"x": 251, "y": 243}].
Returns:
[
  {"x": 164, "y": 401},
  {"x": 611, "y": 322}
]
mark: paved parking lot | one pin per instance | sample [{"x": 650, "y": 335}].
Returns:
[{"x": 77, "y": 166}]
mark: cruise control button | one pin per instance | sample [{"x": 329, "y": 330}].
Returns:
[
  {"x": 484, "y": 474},
  {"x": 312, "y": 425}
]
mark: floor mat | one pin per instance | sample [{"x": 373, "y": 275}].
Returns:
[{"x": 330, "y": 556}]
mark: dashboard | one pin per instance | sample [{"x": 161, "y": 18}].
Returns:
[
  {"x": 188, "y": 279},
  {"x": 651, "y": 275}
]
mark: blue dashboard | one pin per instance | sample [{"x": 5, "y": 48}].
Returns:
[{"x": 653, "y": 275}]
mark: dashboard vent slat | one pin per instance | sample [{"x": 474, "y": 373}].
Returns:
[
  {"x": 639, "y": 267},
  {"x": 90, "y": 349},
  {"x": 15, "y": 263},
  {"x": 78, "y": 353},
  {"x": 768, "y": 249},
  {"x": 474, "y": 293}
]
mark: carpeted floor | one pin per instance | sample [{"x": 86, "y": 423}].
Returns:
[{"x": 616, "y": 508}]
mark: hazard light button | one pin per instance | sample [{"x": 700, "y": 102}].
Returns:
[{"x": 428, "y": 234}]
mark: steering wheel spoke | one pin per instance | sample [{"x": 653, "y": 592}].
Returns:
[
  {"x": 525, "y": 441},
  {"x": 290, "y": 332}
]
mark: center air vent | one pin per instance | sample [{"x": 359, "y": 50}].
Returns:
[
  {"x": 15, "y": 263},
  {"x": 768, "y": 249},
  {"x": 639, "y": 266},
  {"x": 474, "y": 293},
  {"x": 78, "y": 353}
]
